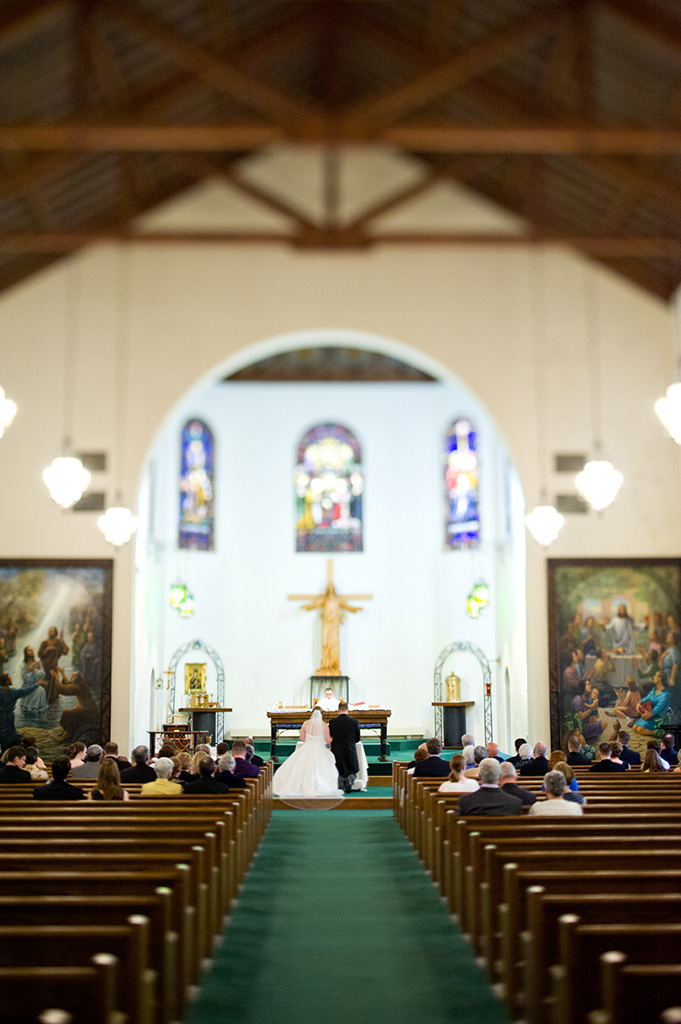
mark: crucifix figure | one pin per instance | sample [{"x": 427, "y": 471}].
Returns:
[{"x": 332, "y": 605}]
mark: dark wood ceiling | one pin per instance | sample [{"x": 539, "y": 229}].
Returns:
[{"x": 566, "y": 113}]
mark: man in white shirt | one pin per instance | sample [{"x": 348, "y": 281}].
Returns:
[
  {"x": 328, "y": 702},
  {"x": 554, "y": 785}
]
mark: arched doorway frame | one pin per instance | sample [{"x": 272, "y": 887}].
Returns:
[{"x": 466, "y": 646}]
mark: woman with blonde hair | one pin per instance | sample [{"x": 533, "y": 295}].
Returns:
[
  {"x": 457, "y": 782},
  {"x": 108, "y": 783}
]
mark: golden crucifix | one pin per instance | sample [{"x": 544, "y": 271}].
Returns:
[{"x": 332, "y": 605}]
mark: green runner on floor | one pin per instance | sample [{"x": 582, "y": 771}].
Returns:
[{"x": 338, "y": 922}]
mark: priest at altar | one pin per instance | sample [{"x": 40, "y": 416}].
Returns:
[{"x": 328, "y": 702}]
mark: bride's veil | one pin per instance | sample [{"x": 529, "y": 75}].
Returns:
[{"x": 315, "y": 726}]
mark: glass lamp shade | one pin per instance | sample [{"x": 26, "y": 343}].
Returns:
[
  {"x": 8, "y": 411},
  {"x": 598, "y": 483},
  {"x": 66, "y": 479},
  {"x": 118, "y": 525},
  {"x": 669, "y": 411},
  {"x": 544, "y": 523},
  {"x": 178, "y": 593},
  {"x": 186, "y": 608}
]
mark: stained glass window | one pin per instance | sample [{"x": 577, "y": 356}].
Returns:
[
  {"x": 329, "y": 486},
  {"x": 462, "y": 521},
  {"x": 196, "y": 487}
]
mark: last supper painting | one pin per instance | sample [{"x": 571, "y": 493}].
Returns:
[
  {"x": 614, "y": 649},
  {"x": 55, "y": 652}
]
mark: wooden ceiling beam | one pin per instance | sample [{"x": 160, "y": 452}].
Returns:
[
  {"x": 216, "y": 72},
  {"x": 600, "y": 247},
  {"x": 371, "y": 115},
  {"x": 646, "y": 20},
  {"x": 21, "y": 17},
  {"x": 415, "y": 137}
]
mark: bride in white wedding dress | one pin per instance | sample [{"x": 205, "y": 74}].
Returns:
[{"x": 310, "y": 773}]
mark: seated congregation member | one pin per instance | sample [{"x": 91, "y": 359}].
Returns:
[
  {"x": 468, "y": 753},
  {"x": 108, "y": 783},
  {"x": 606, "y": 764},
  {"x": 653, "y": 762},
  {"x": 206, "y": 783},
  {"x": 183, "y": 765},
  {"x": 243, "y": 769},
  {"x": 539, "y": 764},
  {"x": 14, "y": 769},
  {"x": 554, "y": 805},
  {"x": 37, "y": 773},
  {"x": 226, "y": 774},
  {"x": 468, "y": 740},
  {"x": 668, "y": 753},
  {"x": 162, "y": 786},
  {"x": 140, "y": 770},
  {"x": 59, "y": 788},
  {"x": 616, "y": 754},
  {"x": 111, "y": 750},
  {"x": 628, "y": 756},
  {"x": 517, "y": 760},
  {"x": 575, "y": 756},
  {"x": 572, "y": 791},
  {"x": 457, "y": 782},
  {"x": 420, "y": 754},
  {"x": 508, "y": 781},
  {"x": 168, "y": 749},
  {"x": 489, "y": 800},
  {"x": 433, "y": 764},
  {"x": 77, "y": 753},
  {"x": 89, "y": 769},
  {"x": 479, "y": 755},
  {"x": 657, "y": 747},
  {"x": 493, "y": 751},
  {"x": 251, "y": 754}
]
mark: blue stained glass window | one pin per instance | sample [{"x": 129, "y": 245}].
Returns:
[
  {"x": 462, "y": 519},
  {"x": 196, "y": 487},
  {"x": 329, "y": 486}
]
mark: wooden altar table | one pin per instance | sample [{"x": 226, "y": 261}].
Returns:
[{"x": 293, "y": 718}]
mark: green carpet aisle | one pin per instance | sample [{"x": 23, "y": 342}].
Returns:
[{"x": 338, "y": 922}]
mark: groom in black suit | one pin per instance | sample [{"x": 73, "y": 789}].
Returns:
[{"x": 344, "y": 739}]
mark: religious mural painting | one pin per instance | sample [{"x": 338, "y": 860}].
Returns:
[
  {"x": 461, "y": 486},
  {"x": 55, "y": 644},
  {"x": 329, "y": 487},
  {"x": 613, "y": 625},
  {"x": 197, "y": 469}
]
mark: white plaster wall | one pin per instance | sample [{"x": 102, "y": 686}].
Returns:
[
  {"x": 469, "y": 310},
  {"x": 270, "y": 646}
]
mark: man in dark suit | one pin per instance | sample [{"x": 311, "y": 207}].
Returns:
[
  {"x": 433, "y": 764},
  {"x": 628, "y": 756},
  {"x": 517, "y": 760},
  {"x": 206, "y": 783},
  {"x": 667, "y": 753},
  {"x": 344, "y": 739},
  {"x": 111, "y": 750},
  {"x": 243, "y": 769},
  {"x": 140, "y": 771},
  {"x": 489, "y": 800},
  {"x": 508, "y": 783},
  {"x": 539, "y": 764},
  {"x": 59, "y": 788},
  {"x": 605, "y": 764},
  {"x": 251, "y": 755},
  {"x": 574, "y": 756}
]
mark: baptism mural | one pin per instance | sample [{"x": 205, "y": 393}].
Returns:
[
  {"x": 614, "y": 649},
  {"x": 55, "y": 646}
]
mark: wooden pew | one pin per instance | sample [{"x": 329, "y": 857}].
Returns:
[
  {"x": 636, "y": 992},
  {"x": 87, "y": 993},
  {"x": 76, "y": 912},
  {"x": 61, "y": 946},
  {"x": 575, "y": 978}
]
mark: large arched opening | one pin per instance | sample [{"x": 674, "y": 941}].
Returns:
[{"x": 419, "y": 587}]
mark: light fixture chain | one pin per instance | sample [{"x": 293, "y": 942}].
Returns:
[
  {"x": 538, "y": 331},
  {"x": 593, "y": 357},
  {"x": 72, "y": 294},
  {"x": 122, "y": 344}
]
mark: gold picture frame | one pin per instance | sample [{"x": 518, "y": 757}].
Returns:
[{"x": 195, "y": 677}]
